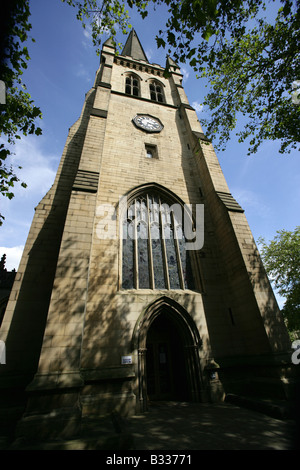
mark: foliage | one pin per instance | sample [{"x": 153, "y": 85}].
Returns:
[
  {"x": 253, "y": 75},
  {"x": 104, "y": 16},
  {"x": 250, "y": 64},
  {"x": 18, "y": 114},
  {"x": 281, "y": 258}
]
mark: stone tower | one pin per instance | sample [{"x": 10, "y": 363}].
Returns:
[{"x": 140, "y": 278}]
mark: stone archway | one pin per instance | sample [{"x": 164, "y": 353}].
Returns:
[
  {"x": 166, "y": 373},
  {"x": 168, "y": 343}
]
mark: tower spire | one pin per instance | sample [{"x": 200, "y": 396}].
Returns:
[{"x": 133, "y": 47}]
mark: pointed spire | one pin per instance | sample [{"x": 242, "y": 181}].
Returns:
[
  {"x": 170, "y": 62},
  {"x": 109, "y": 42},
  {"x": 133, "y": 47}
]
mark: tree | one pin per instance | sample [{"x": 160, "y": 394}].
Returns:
[
  {"x": 253, "y": 75},
  {"x": 250, "y": 63},
  {"x": 18, "y": 114},
  {"x": 281, "y": 258}
]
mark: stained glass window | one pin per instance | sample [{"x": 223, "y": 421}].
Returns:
[{"x": 154, "y": 254}]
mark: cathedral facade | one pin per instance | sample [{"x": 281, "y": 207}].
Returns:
[{"x": 140, "y": 279}]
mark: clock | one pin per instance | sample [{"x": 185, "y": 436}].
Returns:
[{"x": 148, "y": 123}]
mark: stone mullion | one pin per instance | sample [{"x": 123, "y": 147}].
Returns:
[
  {"x": 179, "y": 264},
  {"x": 164, "y": 250},
  {"x": 135, "y": 251},
  {"x": 150, "y": 256}
]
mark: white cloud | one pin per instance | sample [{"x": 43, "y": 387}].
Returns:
[
  {"x": 87, "y": 42},
  {"x": 185, "y": 73},
  {"x": 251, "y": 202},
  {"x": 38, "y": 167},
  {"x": 38, "y": 171},
  {"x": 13, "y": 256},
  {"x": 87, "y": 32},
  {"x": 197, "y": 106},
  {"x": 149, "y": 54},
  {"x": 83, "y": 72}
]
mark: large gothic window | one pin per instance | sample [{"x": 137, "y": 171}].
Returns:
[
  {"x": 156, "y": 92},
  {"x": 132, "y": 85},
  {"x": 154, "y": 254}
]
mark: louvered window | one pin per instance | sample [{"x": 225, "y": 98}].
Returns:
[
  {"x": 156, "y": 92},
  {"x": 132, "y": 85}
]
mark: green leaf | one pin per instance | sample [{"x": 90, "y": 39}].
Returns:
[
  {"x": 193, "y": 62},
  {"x": 160, "y": 42}
]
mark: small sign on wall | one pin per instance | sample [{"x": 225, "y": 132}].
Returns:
[
  {"x": 2, "y": 352},
  {"x": 2, "y": 92},
  {"x": 126, "y": 360}
]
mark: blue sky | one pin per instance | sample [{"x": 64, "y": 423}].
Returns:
[{"x": 62, "y": 70}]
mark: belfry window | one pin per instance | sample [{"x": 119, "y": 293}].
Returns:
[
  {"x": 154, "y": 254},
  {"x": 132, "y": 85},
  {"x": 156, "y": 92},
  {"x": 151, "y": 151}
]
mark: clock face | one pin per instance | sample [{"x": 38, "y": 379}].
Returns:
[{"x": 148, "y": 123}]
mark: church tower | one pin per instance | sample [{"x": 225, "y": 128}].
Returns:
[{"x": 140, "y": 279}]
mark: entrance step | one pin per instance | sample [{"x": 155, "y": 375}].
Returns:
[{"x": 279, "y": 409}]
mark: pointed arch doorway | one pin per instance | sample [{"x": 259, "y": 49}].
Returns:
[
  {"x": 166, "y": 372},
  {"x": 168, "y": 345}
]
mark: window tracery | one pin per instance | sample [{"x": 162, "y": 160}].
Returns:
[
  {"x": 156, "y": 91},
  {"x": 154, "y": 254},
  {"x": 132, "y": 85}
]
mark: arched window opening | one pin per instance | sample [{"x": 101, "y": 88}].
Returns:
[
  {"x": 154, "y": 253},
  {"x": 132, "y": 85},
  {"x": 156, "y": 92}
]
